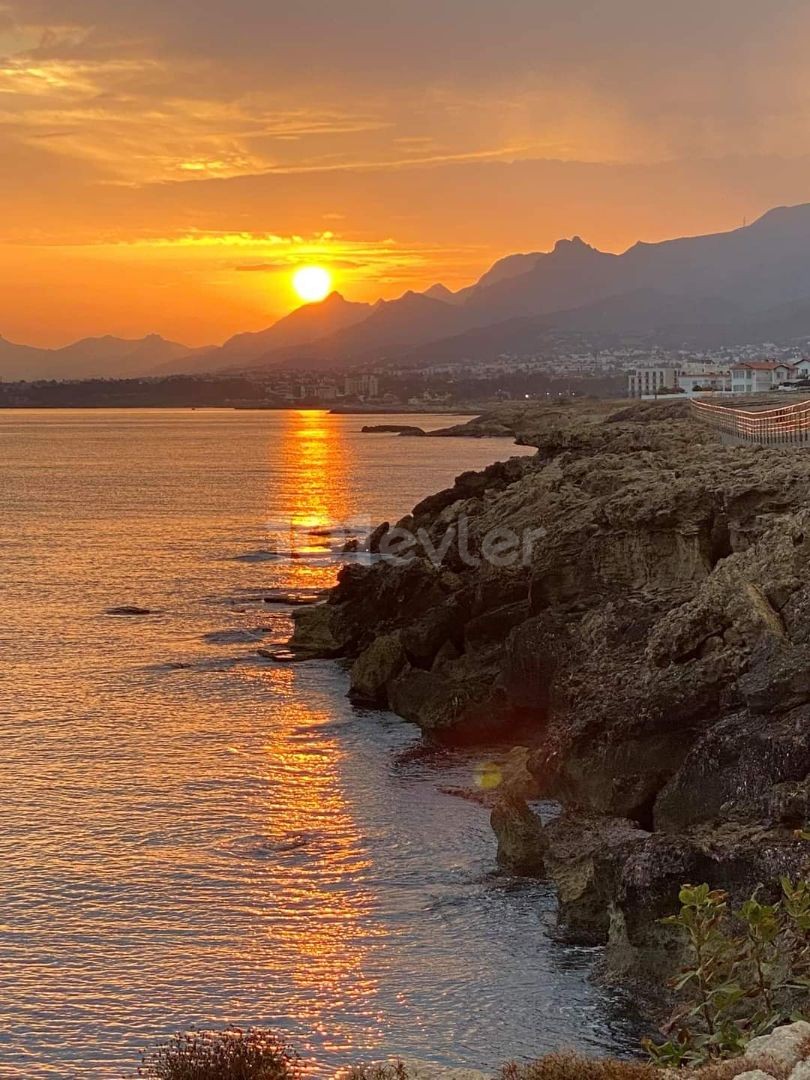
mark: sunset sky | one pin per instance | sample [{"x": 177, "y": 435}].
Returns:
[{"x": 166, "y": 164}]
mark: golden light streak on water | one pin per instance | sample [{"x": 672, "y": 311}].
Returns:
[{"x": 193, "y": 835}]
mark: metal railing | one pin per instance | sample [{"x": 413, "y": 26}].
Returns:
[{"x": 788, "y": 425}]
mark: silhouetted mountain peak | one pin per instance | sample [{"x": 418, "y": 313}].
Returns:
[
  {"x": 416, "y": 302},
  {"x": 575, "y": 246},
  {"x": 440, "y": 292},
  {"x": 334, "y": 299}
]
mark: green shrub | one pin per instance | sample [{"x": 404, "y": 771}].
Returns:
[
  {"x": 749, "y": 971},
  {"x": 235, "y": 1054}
]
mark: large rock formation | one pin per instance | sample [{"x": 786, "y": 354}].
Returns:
[{"x": 647, "y": 634}]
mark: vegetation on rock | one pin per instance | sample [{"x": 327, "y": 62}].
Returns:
[
  {"x": 234, "y": 1054},
  {"x": 749, "y": 971},
  {"x": 569, "y": 1066}
]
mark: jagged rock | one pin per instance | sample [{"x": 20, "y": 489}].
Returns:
[
  {"x": 736, "y": 858},
  {"x": 778, "y": 677},
  {"x": 375, "y": 668},
  {"x": 584, "y": 860},
  {"x": 451, "y": 710},
  {"x": 515, "y": 777},
  {"x": 734, "y": 769},
  {"x": 789, "y": 804},
  {"x": 445, "y": 655},
  {"x": 377, "y": 536},
  {"x": 423, "y": 638},
  {"x": 522, "y": 843},
  {"x": 784, "y": 1045}
]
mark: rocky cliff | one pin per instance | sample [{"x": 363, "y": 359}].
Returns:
[{"x": 647, "y": 637}]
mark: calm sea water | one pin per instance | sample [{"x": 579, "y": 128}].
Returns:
[{"x": 190, "y": 834}]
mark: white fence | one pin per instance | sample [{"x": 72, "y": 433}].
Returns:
[{"x": 788, "y": 425}]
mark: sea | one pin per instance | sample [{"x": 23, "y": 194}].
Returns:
[{"x": 194, "y": 835}]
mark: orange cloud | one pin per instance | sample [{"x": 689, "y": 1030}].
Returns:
[{"x": 152, "y": 152}]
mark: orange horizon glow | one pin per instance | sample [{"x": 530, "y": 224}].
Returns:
[{"x": 163, "y": 177}]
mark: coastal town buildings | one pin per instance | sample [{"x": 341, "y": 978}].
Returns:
[
  {"x": 649, "y": 381},
  {"x": 743, "y": 376},
  {"x": 754, "y": 377}
]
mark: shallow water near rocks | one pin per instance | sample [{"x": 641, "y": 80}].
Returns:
[{"x": 191, "y": 834}]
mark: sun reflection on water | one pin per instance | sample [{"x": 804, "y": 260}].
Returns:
[{"x": 313, "y": 486}]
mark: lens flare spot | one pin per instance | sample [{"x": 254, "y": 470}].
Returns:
[{"x": 488, "y": 776}]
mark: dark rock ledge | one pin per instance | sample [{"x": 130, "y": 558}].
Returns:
[{"x": 653, "y": 653}]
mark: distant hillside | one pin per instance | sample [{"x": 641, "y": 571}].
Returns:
[
  {"x": 102, "y": 357},
  {"x": 753, "y": 268},
  {"x": 391, "y": 327},
  {"x": 302, "y": 326},
  {"x": 645, "y": 316}
]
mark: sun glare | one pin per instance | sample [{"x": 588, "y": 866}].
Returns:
[{"x": 312, "y": 283}]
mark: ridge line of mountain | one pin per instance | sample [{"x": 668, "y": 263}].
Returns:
[{"x": 744, "y": 286}]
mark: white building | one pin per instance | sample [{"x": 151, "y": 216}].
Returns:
[
  {"x": 362, "y": 386},
  {"x": 649, "y": 381},
  {"x": 758, "y": 376},
  {"x": 695, "y": 382}
]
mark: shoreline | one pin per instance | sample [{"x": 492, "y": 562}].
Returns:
[{"x": 647, "y": 655}]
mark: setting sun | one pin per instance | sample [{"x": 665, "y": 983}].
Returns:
[{"x": 312, "y": 283}]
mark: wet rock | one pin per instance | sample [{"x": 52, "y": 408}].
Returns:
[
  {"x": 294, "y": 599},
  {"x": 377, "y": 537},
  {"x": 129, "y": 610},
  {"x": 522, "y": 843},
  {"x": 320, "y": 631}
]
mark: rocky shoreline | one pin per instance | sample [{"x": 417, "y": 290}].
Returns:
[{"x": 650, "y": 650}]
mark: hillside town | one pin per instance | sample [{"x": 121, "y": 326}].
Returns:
[{"x": 601, "y": 374}]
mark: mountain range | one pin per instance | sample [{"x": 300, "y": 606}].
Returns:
[
  {"x": 99, "y": 357},
  {"x": 746, "y": 286}
]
